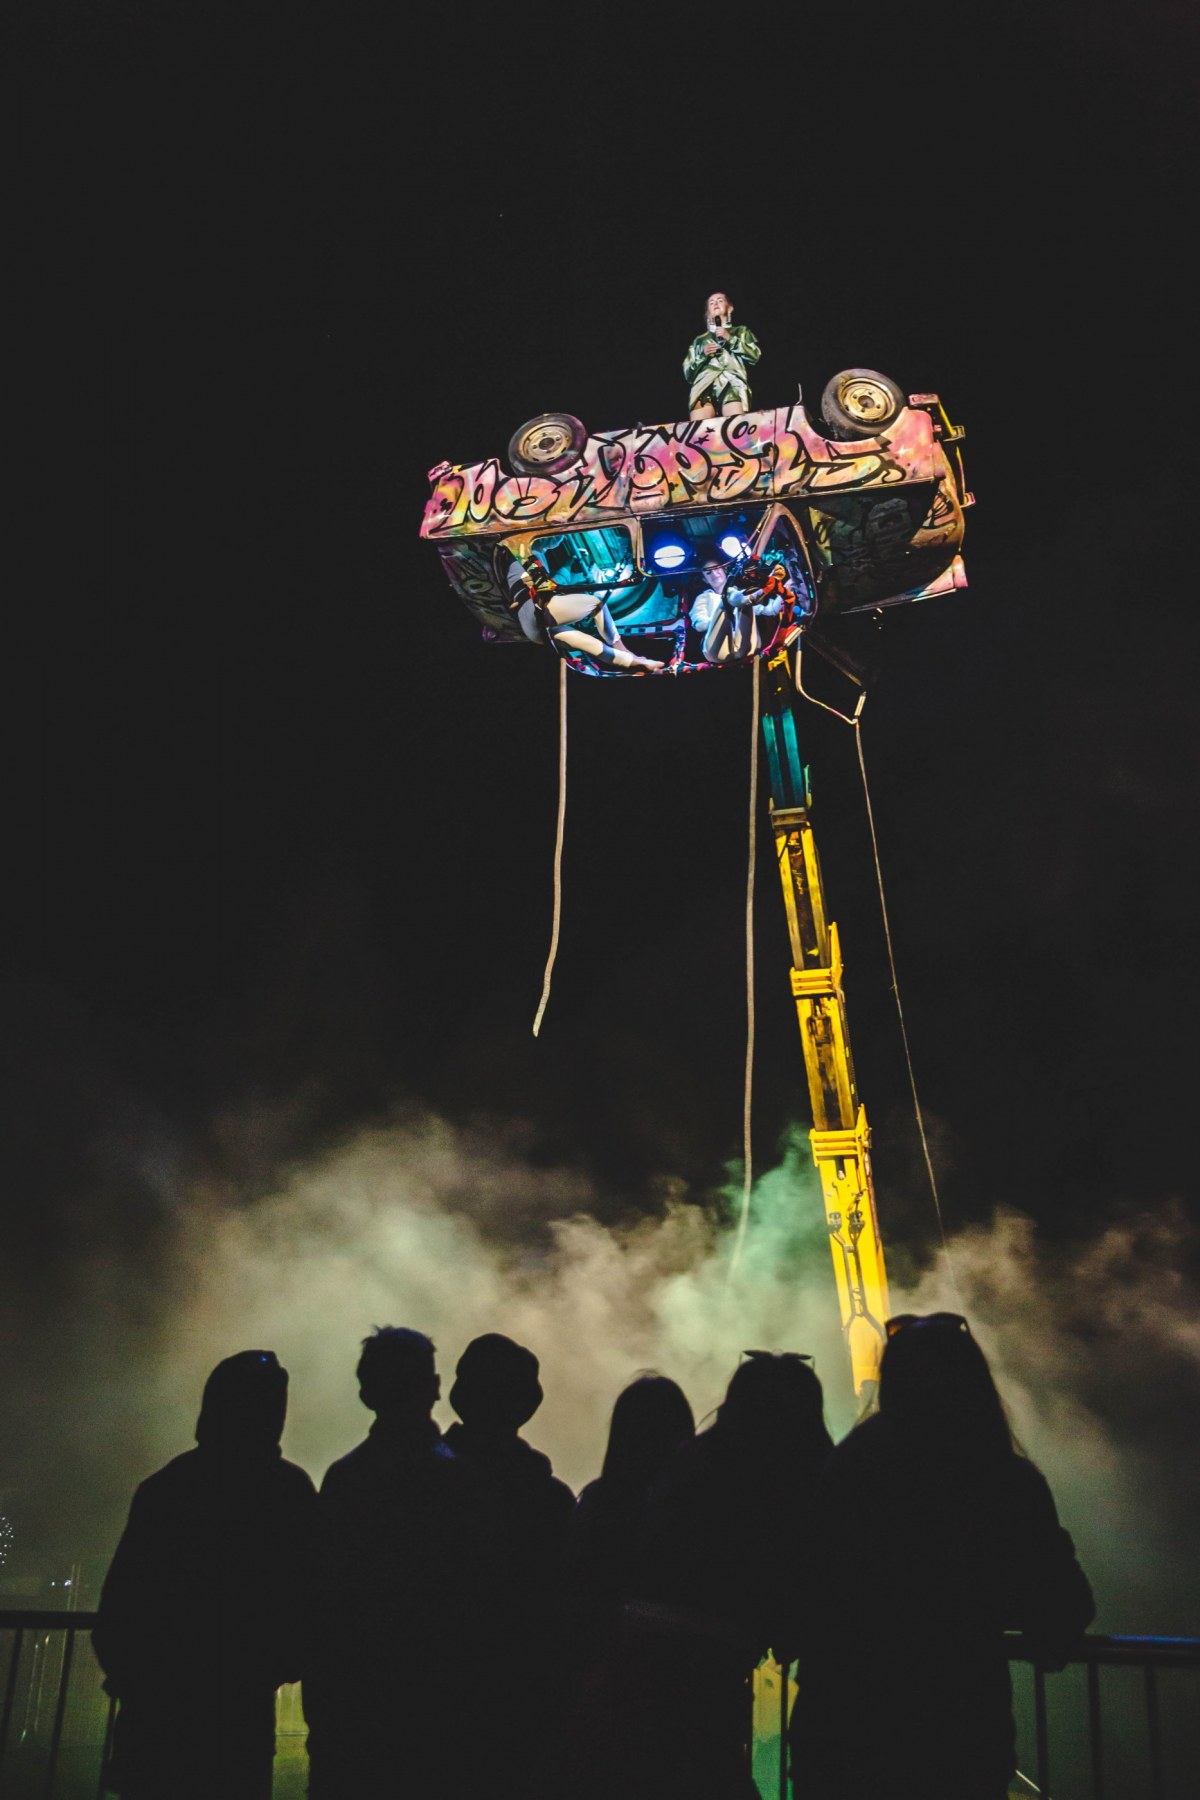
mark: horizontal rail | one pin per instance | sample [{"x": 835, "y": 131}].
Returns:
[
  {"x": 1150, "y": 1654},
  {"x": 1100, "y": 1650},
  {"x": 52, "y": 1619},
  {"x": 1099, "y": 1647},
  {"x": 1138, "y": 1652}
]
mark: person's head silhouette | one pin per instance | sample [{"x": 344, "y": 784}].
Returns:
[
  {"x": 244, "y": 1404},
  {"x": 774, "y": 1398},
  {"x": 650, "y": 1419},
  {"x": 934, "y": 1381},
  {"x": 396, "y": 1373},
  {"x": 496, "y": 1387}
]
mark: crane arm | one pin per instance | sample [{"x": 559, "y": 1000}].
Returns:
[{"x": 840, "y": 1137}]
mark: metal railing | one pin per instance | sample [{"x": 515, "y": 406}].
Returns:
[
  {"x": 53, "y": 1705},
  {"x": 1149, "y": 1656},
  {"x": 1061, "y": 1729},
  {"x": 42, "y": 1714}
]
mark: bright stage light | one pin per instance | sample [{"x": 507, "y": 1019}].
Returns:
[
  {"x": 732, "y": 546},
  {"x": 668, "y": 556}
]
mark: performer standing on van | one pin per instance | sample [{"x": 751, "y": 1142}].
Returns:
[{"x": 717, "y": 362}]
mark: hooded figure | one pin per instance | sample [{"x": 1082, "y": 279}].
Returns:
[
  {"x": 200, "y": 1614},
  {"x": 522, "y": 1513}
]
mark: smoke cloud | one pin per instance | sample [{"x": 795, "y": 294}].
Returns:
[
  {"x": 1096, "y": 1349},
  {"x": 401, "y": 1226},
  {"x": 456, "y": 1231}
]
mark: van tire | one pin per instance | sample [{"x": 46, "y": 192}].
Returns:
[
  {"x": 860, "y": 403},
  {"x": 547, "y": 444}
]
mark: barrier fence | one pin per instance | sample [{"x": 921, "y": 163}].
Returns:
[
  {"x": 54, "y": 1706},
  {"x": 1120, "y": 1723},
  {"x": 1114, "y": 1731}
]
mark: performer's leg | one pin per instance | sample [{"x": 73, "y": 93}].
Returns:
[
  {"x": 702, "y": 395},
  {"x": 612, "y": 655},
  {"x": 733, "y": 396}
]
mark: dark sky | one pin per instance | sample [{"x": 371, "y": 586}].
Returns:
[{"x": 281, "y": 830}]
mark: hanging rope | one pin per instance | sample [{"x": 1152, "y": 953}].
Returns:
[
  {"x": 748, "y": 1089},
  {"x": 855, "y": 722},
  {"x": 812, "y": 698},
  {"x": 558, "y": 845},
  {"x": 912, "y": 1079}
]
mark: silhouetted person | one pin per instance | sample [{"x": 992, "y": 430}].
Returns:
[
  {"x": 666, "y": 1714},
  {"x": 651, "y": 1420},
  {"x": 522, "y": 1515},
  {"x": 931, "y": 1536},
  {"x": 384, "y": 1672},
  {"x": 200, "y": 1615}
]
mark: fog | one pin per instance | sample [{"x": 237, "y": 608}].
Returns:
[{"x": 1096, "y": 1344}]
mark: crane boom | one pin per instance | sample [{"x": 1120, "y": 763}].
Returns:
[{"x": 840, "y": 1137}]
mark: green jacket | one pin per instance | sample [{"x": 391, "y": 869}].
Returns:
[{"x": 728, "y": 365}]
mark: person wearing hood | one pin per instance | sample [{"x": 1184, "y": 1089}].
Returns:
[
  {"x": 522, "y": 1515},
  {"x": 200, "y": 1617},
  {"x": 396, "y": 1553}
]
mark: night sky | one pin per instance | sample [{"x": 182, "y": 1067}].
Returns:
[{"x": 281, "y": 824}]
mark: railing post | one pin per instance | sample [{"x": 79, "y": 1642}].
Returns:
[
  {"x": 748, "y": 1744},
  {"x": 102, "y": 1783},
  {"x": 1156, "y": 1770},
  {"x": 1043, "y": 1736},
  {"x": 10, "y": 1689},
  {"x": 59, "y": 1710},
  {"x": 1095, "y": 1735}
]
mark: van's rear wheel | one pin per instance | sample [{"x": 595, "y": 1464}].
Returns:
[
  {"x": 547, "y": 445},
  {"x": 860, "y": 403}
]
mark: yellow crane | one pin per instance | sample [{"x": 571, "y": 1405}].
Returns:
[{"x": 840, "y": 1137}]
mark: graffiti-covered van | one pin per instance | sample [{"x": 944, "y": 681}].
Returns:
[{"x": 683, "y": 548}]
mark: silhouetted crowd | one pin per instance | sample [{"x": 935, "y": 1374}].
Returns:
[{"x": 463, "y": 1625}]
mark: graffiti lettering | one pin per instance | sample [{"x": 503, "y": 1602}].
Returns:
[
  {"x": 775, "y": 453},
  {"x": 525, "y": 496},
  {"x": 862, "y": 471},
  {"x": 447, "y": 504},
  {"x": 600, "y": 486},
  {"x": 483, "y": 489},
  {"x": 667, "y": 470},
  {"x": 793, "y": 463}
]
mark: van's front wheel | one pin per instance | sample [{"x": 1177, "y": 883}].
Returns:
[
  {"x": 547, "y": 445},
  {"x": 860, "y": 403}
]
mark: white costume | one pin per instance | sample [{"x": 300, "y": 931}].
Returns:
[{"x": 729, "y": 622}]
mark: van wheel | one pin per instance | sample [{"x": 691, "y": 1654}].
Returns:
[
  {"x": 860, "y": 403},
  {"x": 547, "y": 445}
]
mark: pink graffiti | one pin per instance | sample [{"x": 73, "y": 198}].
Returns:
[
  {"x": 525, "y": 496},
  {"x": 770, "y": 454}
]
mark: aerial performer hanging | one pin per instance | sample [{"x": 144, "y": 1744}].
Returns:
[{"x": 728, "y": 540}]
